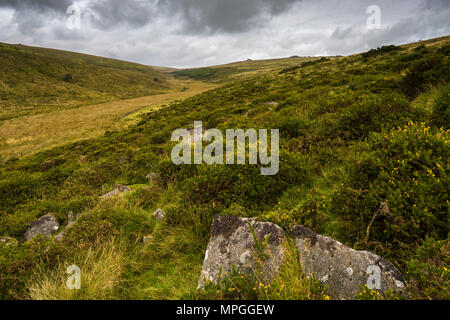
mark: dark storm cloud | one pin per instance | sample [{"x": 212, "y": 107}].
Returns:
[
  {"x": 226, "y": 16},
  {"x": 197, "y": 16},
  {"x": 41, "y": 5}
]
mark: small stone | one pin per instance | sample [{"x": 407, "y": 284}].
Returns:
[
  {"x": 71, "y": 220},
  {"x": 152, "y": 177},
  {"x": 117, "y": 190},
  {"x": 147, "y": 239},
  {"x": 159, "y": 214}
]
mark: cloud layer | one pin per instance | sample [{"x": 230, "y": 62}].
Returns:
[{"x": 204, "y": 32}]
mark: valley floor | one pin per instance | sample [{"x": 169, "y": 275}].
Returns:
[{"x": 33, "y": 133}]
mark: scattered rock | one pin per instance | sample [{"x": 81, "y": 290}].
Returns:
[
  {"x": 343, "y": 269},
  {"x": 46, "y": 226},
  {"x": 159, "y": 214},
  {"x": 72, "y": 219},
  {"x": 232, "y": 244},
  {"x": 147, "y": 239},
  {"x": 117, "y": 190},
  {"x": 152, "y": 177},
  {"x": 8, "y": 241}
]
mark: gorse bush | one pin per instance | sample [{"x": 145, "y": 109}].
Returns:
[
  {"x": 406, "y": 168},
  {"x": 429, "y": 270},
  {"x": 428, "y": 71},
  {"x": 441, "y": 108}
]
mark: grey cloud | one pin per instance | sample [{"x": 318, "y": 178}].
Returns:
[
  {"x": 41, "y": 5},
  {"x": 226, "y": 16},
  {"x": 197, "y": 16}
]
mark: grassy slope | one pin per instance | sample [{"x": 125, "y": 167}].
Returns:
[
  {"x": 240, "y": 70},
  {"x": 356, "y": 131},
  {"x": 32, "y": 80}
]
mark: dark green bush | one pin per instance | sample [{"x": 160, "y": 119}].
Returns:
[{"x": 441, "y": 108}]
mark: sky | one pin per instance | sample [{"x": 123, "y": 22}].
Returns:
[{"x": 195, "y": 33}]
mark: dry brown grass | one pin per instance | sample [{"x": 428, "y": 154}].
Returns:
[{"x": 29, "y": 134}]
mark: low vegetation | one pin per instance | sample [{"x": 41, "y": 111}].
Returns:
[{"x": 357, "y": 133}]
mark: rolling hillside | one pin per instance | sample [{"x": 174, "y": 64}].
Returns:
[
  {"x": 240, "y": 70},
  {"x": 357, "y": 133},
  {"x": 36, "y": 80}
]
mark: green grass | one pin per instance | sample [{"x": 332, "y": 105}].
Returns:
[{"x": 356, "y": 131}]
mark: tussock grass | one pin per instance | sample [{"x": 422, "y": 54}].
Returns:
[{"x": 101, "y": 269}]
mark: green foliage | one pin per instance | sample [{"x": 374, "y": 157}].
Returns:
[
  {"x": 314, "y": 62},
  {"x": 197, "y": 74},
  {"x": 431, "y": 70},
  {"x": 441, "y": 108},
  {"x": 381, "y": 51},
  {"x": 17, "y": 263},
  {"x": 429, "y": 270},
  {"x": 407, "y": 168}
]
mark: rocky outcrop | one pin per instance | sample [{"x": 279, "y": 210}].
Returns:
[
  {"x": 343, "y": 269},
  {"x": 117, "y": 190},
  {"x": 232, "y": 244},
  {"x": 159, "y": 214},
  {"x": 46, "y": 226}
]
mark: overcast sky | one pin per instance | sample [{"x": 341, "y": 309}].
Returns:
[{"x": 188, "y": 33}]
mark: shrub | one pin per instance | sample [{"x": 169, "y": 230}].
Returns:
[
  {"x": 406, "y": 169},
  {"x": 371, "y": 114},
  {"x": 429, "y": 271},
  {"x": 68, "y": 77},
  {"x": 380, "y": 51},
  {"x": 441, "y": 108},
  {"x": 427, "y": 71}
]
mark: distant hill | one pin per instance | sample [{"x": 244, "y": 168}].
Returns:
[
  {"x": 240, "y": 70},
  {"x": 36, "y": 80}
]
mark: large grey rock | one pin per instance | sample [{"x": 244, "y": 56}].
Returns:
[
  {"x": 117, "y": 190},
  {"x": 46, "y": 226},
  {"x": 232, "y": 244},
  {"x": 159, "y": 214},
  {"x": 343, "y": 269}
]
